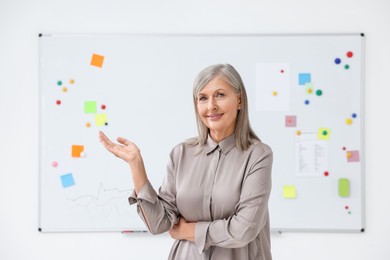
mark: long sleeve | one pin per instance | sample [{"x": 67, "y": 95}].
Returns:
[
  {"x": 251, "y": 215},
  {"x": 158, "y": 211}
]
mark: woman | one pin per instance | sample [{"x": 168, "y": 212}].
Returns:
[{"x": 214, "y": 198}]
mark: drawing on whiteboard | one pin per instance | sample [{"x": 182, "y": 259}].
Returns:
[{"x": 102, "y": 204}]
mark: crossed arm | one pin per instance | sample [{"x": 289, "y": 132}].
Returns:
[{"x": 130, "y": 153}]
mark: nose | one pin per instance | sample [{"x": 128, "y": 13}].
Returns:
[{"x": 212, "y": 105}]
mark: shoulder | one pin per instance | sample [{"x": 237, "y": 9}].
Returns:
[
  {"x": 184, "y": 147},
  {"x": 260, "y": 148}
]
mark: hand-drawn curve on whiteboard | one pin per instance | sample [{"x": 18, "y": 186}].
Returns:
[{"x": 306, "y": 101}]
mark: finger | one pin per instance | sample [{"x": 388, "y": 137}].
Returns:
[
  {"x": 107, "y": 143},
  {"x": 103, "y": 138},
  {"x": 123, "y": 141}
]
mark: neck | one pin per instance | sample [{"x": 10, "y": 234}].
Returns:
[{"x": 218, "y": 136}]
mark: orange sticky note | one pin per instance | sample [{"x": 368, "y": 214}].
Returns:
[
  {"x": 97, "y": 60},
  {"x": 77, "y": 150}
]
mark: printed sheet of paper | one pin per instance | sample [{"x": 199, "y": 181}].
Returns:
[{"x": 311, "y": 156}]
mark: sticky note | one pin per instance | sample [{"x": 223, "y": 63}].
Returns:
[
  {"x": 353, "y": 156},
  {"x": 304, "y": 78},
  {"x": 344, "y": 187},
  {"x": 289, "y": 192},
  {"x": 100, "y": 119},
  {"x": 323, "y": 133},
  {"x": 67, "y": 180},
  {"x": 77, "y": 150},
  {"x": 291, "y": 121},
  {"x": 90, "y": 107},
  {"x": 309, "y": 86},
  {"x": 97, "y": 60}
]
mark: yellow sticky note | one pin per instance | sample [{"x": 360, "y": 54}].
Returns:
[
  {"x": 77, "y": 150},
  {"x": 97, "y": 60},
  {"x": 289, "y": 192},
  {"x": 323, "y": 133},
  {"x": 100, "y": 119}
]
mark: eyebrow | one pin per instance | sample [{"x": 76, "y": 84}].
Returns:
[{"x": 220, "y": 89}]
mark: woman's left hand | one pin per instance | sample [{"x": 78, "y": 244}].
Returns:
[{"x": 183, "y": 230}]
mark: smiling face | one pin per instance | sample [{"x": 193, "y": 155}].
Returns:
[{"x": 217, "y": 106}]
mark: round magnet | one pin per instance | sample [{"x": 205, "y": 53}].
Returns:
[
  {"x": 354, "y": 115},
  {"x": 346, "y": 66},
  {"x": 103, "y": 107},
  {"x": 59, "y": 83},
  {"x": 274, "y": 93},
  {"x": 58, "y": 102},
  {"x": 298, "y": 132},
  {"x": 349, "y": 54},
  {"x": 71, "y": 81},
  {"x": 319, "y": 92},
  {"x": 337, "y": 61},
  {"x": 349, "y": 121},
  {"x": 307, "y": 102},
  {"x": 54, "y": 164},
  {"x": 64, "y": 89},
  {"x": 88, "y": 124}
]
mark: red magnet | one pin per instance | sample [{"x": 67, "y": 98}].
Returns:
[{"x": 349, "y": 54}]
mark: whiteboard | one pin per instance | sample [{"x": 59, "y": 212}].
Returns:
[{"x": 305, "y": 99}]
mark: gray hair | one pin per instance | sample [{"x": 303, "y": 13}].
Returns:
[{"x": 243, "y": 131}]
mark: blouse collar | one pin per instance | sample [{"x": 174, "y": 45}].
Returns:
[{"x": 225, "y": 145}]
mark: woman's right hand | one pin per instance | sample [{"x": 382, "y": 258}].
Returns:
[{"x": 125, "y": 150}]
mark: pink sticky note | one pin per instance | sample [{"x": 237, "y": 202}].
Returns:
[
  {"x": 291, "y": 121},
  {"x": 353, "y": 156}
]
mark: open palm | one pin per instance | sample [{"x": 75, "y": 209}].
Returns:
[{"x": 125, "y": 150}]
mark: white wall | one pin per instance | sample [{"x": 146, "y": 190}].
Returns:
[{"x": 22, "y": 20}]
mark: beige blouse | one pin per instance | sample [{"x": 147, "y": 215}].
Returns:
[{"x": 224, "y": 190}]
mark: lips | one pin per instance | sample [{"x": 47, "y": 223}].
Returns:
[{"x": 215, "y": 116}]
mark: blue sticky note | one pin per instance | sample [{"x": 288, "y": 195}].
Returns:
[
  {"x": 67, "y": 180},
  {"x": 304, "y": 78}
]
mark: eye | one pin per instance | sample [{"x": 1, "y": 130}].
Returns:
[
  {"x": 202, "y": 98},
  {"x": 220, "y": 95}
]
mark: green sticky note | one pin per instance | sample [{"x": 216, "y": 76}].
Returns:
[
  {"x": 90, "y": 107},
  {"x": 100, "y": 119},
  {"x": 344, "y": 187},
  {"x": 289, "y": 192}
]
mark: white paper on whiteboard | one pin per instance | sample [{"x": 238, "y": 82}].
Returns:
[
  {"x": 272, "y": 86},
  {"x": 311, "y": 155}
]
